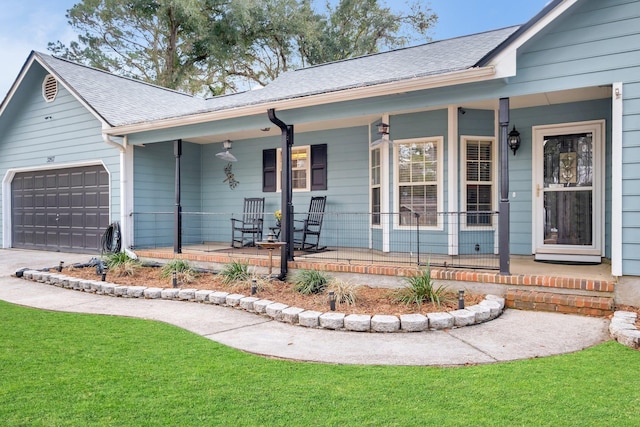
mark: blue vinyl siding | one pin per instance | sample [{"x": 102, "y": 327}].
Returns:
[
  {"x": 631, "y": 178},
  {"x": 418, "y": 125},
  {"x": 69, "y": 136},
  {"x": 154, "y": 194},
  {"x": 520, "y": 173}
]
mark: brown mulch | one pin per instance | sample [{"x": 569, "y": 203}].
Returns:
[{"x": 368, "y": 300}]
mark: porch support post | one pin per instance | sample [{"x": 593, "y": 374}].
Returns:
[
  {"x": 503, "y": 219},
  {"x": 177, "y": 213},
  {"x": 286, "y": 227}
]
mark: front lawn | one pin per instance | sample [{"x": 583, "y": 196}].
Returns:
[{"x": 72, "y": 369}]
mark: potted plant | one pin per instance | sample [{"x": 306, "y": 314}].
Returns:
[{"x": 278, "y": 215}]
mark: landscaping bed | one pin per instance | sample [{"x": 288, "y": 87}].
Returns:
[{"x": 369, "y": 300}]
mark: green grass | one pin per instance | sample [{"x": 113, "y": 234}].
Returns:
[{"x": 79, "y": 370}]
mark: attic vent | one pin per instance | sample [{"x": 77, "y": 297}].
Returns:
[{"x": 49, "y": 88}]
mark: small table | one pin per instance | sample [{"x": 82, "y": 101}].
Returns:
[
  {"x": 271, "y": 246},
  {"x": 275, "y": 231}
]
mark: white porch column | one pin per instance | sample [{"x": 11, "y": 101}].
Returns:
[
  {"x": 126, "y": 194},
  {"x": 452, "y": 187},
  {"x": 616, "y": 180}
]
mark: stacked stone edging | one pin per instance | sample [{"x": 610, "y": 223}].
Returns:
[
  {"x": 490, "y": 308},
  {"x": 623, "y": 329}
]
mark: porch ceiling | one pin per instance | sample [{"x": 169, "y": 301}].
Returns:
[
  {"x": 516, "y": 102},
  {"x": 273, "y": 130},
  {"x": 546, "y": 98}
]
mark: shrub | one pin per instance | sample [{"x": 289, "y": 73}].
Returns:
[
  {"x": 309, "y": 282},
  {"x": 185, "y": 272},
  {"x": 120, "y": 264},
  {"x": 235, "y": 272},
  {"x": 345, "y": 292},
  {"x": 421, "y": 288}
]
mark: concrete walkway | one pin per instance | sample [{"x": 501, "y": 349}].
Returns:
[{"x": 514, "y": 335}]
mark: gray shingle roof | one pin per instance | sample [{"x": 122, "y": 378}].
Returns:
[{"x": 123, "y": 101}]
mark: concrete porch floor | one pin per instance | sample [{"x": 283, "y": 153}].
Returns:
[{"x": 519, "y": 265}]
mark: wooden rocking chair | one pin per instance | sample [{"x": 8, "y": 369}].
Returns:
[
  {"x": 309, "y": 239},
  {"x": 250, "y": 224}
]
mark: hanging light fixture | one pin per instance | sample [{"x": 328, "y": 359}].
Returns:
[
  {"x": 383, "y": 131},
  {"x": 514, "y": 140},
  {"x": 226, "y": 155}
]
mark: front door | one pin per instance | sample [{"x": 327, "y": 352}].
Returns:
[{"x": 568, "y": 192}]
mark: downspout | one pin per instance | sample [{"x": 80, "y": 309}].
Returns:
[
  {"x": 286, "y": 203},
  {"x": 124, "y": 208},
  {"x": 503, "y": 218}
]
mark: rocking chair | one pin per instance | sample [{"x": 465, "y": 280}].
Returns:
[
  {"x": 250, "y": 224},
  {"x": 310, "y": 229}
]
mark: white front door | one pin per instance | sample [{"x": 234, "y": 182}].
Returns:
[{"x": 568, "y": 199}]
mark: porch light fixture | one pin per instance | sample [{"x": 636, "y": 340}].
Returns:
[
  {"x": 514, "y": 140},
  {"x": 226, "y": 155},
  {"x": 383, "y": 131}
]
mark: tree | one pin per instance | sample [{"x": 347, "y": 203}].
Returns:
[{"x": 221, "y": 46}]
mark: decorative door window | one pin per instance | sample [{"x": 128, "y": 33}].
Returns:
[{"x": 568, "y": 189}]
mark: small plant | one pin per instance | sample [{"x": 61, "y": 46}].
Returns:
[
  {"x": 185, "y": 272},
  {"x": 120, "y": 264},
  {"x": 309, "y": 282},
  {"x": 419, "y": 289},
  {"x": 345, "y": 292},
  {"x": 278, "y": 215},
  {"x": 235, "y": 272}
]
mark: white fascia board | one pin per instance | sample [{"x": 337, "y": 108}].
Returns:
[
  {"x": 16, "y": 84},
  {"x": 411, "y": 85},
  {"x": 505, "y": 62}
]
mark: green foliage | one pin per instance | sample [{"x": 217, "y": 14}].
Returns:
[
  {"x": 120, "y": 264},
  {"x": 58, "y": 369},
  {"x": 421, "y": 288},
  {"x": 235, "y": 272},
  {"x": 185, "y": 272},
  {"x": 309, "y": 282},
  {"x": 220, "y": 46},
  {"x": 345, "y": 292}
]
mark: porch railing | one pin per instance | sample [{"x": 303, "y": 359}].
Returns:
[{"x": 452, "y": 239}]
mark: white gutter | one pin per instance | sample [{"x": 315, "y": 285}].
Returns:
[{"x": 419, "y": 83}]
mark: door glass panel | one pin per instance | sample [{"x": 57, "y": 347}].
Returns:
[
  {"x": 568, "y": 218},
  {"x": 568, "y": 192},
  {"x": 568, "y": 161}
]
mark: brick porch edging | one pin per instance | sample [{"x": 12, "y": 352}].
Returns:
[
  {"x": 488, "y": 309},
  {"x": 437, "y": 273}
]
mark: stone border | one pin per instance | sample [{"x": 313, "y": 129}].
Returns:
[
  {"x": 623, "y": 329},
  {"x": 488, "y": 309}
]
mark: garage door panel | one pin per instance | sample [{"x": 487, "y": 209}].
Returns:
[
  {"x": 60, "y": 209},
  {"x": 91, "y": 200}
]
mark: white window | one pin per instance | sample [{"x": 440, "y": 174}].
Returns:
[
  {"x": 478, "y": 181},
  {"x": 419, "y": 187},
  {"x": 375, "y": 173},
  {"x": 300, "y": 168}
]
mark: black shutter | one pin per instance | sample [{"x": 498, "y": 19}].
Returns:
[
  {"x": 318, "y": 167},
  {"x": 269, "y": 171}
]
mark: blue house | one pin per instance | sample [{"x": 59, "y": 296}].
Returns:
[{"x": 523, "y": 141}]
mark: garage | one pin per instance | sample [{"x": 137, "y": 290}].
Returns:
[{"x": 64, "y": 210}]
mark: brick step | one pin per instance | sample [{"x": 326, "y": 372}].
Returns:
[{"x": 598, "y": 306}]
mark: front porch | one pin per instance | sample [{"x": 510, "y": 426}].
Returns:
[{"x": 579, "y": 289}]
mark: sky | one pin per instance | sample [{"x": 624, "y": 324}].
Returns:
[{"x": 27, "y": 25}]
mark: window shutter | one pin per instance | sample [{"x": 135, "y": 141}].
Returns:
[
  {"x": 318, "y": 167},
  {"x": 269, "y": 170}
]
